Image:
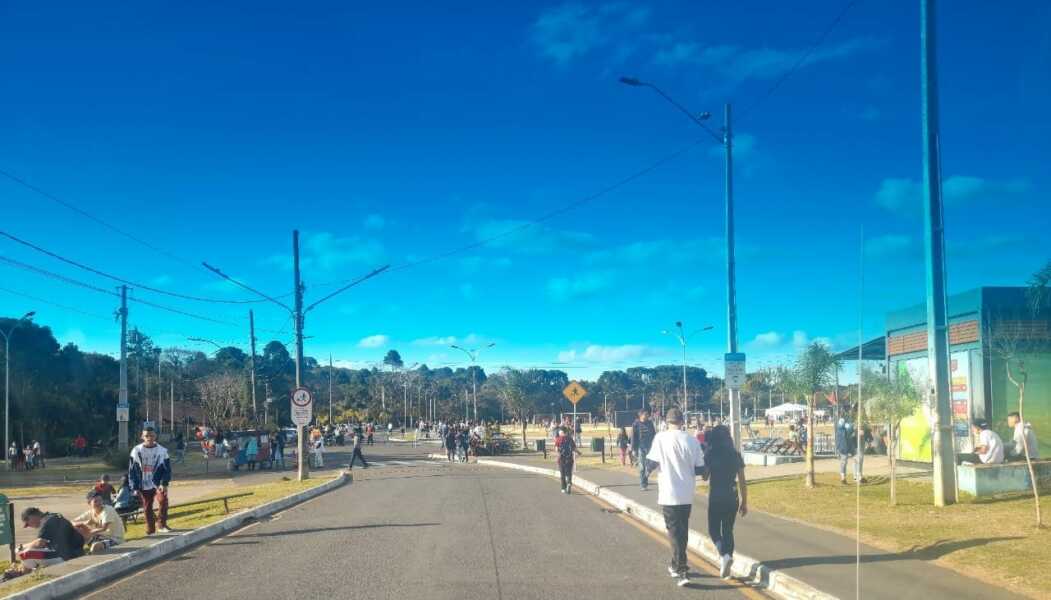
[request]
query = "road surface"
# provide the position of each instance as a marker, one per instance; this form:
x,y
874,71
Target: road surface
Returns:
x,y
409,528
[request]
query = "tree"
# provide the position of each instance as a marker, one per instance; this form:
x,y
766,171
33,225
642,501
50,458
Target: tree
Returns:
x,y
393,360
516,392
1038,287
219,395
890,401
814,370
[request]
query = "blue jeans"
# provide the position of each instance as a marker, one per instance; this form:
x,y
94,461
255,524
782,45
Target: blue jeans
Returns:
x,y
858,462
279,457
644,472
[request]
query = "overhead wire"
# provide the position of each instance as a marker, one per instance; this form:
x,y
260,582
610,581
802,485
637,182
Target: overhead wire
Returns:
x,y
134,284
56,304
89,216
805,56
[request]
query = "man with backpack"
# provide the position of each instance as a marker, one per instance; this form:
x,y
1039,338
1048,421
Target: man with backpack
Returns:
x,y
565,447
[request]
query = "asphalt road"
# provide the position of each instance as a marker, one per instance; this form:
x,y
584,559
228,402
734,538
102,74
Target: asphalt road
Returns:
x,y
431,531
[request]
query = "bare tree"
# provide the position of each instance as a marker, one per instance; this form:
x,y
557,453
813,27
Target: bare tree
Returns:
x,y
1010,340
219,397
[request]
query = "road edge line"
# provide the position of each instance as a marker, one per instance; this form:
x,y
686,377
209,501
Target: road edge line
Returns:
x,y
774,581
68,585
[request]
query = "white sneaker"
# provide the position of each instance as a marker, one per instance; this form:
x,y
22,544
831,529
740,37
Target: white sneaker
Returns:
x,y
725,562
683,581
672,572
164,530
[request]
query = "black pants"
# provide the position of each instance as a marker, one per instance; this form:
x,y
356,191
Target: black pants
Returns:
x,y
565,471
721,515
677,522
357,454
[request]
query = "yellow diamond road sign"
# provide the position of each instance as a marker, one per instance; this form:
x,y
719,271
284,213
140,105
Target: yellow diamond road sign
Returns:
x,y
574,392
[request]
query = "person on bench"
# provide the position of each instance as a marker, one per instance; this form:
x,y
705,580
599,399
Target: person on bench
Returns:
x,y
100,525
56,540
1023,437
990,448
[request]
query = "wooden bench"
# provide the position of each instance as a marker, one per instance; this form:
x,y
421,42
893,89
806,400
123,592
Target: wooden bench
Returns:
x,y
133,514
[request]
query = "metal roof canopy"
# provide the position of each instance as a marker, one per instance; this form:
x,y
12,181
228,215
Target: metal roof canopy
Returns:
x,y
874,349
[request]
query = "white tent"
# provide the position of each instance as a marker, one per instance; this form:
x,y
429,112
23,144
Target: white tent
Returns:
x,y
785,410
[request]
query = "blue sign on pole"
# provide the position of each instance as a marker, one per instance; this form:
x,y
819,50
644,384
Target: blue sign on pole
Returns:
x,y
734,365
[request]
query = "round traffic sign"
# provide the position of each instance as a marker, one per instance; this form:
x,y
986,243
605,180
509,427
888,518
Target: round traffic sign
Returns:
x,y
301,397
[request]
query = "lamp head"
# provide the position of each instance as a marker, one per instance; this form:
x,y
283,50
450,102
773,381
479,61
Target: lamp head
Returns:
x,y
28,315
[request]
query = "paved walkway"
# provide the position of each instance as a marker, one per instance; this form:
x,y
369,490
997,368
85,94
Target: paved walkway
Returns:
x,y
821,558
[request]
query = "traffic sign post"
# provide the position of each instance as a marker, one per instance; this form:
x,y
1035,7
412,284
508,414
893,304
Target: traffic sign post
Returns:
x,y
734,370
302,407
574,392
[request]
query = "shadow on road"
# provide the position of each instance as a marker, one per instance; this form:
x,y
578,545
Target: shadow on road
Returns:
x,y
931,552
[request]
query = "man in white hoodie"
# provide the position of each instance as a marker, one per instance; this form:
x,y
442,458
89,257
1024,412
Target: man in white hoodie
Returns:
x,y
1023,436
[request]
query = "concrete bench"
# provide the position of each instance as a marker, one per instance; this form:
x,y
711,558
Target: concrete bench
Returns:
x,y
987,480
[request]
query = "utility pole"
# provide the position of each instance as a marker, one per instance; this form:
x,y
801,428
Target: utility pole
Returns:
x,y
942,445
330,389
251,343
731,275
171,406
160,395
304,473
122,399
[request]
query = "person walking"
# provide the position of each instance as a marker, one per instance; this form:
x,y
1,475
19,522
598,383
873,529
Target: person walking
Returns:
x,y
278,447
727,493
149,474
370,431
450,443
358,439
678,458
180,448
565,448
623,441
642,434
847,447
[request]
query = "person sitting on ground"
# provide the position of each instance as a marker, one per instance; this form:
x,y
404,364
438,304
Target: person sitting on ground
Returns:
x,y
100,525
56,540
990,448
104,489
1023,438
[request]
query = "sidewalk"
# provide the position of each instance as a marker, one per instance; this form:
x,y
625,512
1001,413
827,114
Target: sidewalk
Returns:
x,y
816,556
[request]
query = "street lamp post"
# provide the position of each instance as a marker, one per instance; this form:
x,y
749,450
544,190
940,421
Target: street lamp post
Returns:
x,y
726,140
681,335
473,355
7,376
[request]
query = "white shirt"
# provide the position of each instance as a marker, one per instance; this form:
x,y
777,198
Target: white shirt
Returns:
x,y
149,460
109,519
1024,435
994,447
678,453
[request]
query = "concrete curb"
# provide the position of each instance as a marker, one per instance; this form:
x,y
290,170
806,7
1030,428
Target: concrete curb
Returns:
x,y
78,581
777,583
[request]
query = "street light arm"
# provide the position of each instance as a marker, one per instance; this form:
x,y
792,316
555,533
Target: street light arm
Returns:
x,y
635,82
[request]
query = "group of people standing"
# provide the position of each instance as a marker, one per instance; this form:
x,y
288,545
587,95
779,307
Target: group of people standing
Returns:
x,y
25,459
460,439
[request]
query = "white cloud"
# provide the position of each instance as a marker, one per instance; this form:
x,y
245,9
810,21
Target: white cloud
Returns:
x,y
596,353
374,341
528,237
569,31
326,251
800,340
562,289
374,221
435,341
739,64
770,339
906,195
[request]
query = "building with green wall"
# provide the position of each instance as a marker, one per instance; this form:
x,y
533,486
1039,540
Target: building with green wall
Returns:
x,y
989,327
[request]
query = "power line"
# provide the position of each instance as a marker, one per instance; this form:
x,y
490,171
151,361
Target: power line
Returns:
x,y
800,61
133,284
87,215
71,281
548,215
55,304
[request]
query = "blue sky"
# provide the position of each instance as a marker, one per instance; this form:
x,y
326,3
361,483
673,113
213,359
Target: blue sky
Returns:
x,y
396,132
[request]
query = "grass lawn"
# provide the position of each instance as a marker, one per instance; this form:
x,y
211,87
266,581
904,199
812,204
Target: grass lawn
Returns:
x,y
206,513
22,583
993,539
